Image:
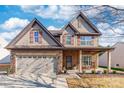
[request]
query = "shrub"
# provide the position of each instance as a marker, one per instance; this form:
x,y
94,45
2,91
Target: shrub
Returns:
x,y
11,71
8,71
93,72
114,72
65,71
105,72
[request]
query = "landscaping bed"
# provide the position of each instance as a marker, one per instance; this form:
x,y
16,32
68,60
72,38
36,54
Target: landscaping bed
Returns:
x,y
97,81
101,75
4,68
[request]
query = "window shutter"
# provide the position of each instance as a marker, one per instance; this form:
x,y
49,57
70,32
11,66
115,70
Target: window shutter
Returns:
x,y
78,40
72,40
31,37
64,39
40,37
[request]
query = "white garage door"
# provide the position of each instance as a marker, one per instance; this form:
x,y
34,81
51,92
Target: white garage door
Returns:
x,y
36,64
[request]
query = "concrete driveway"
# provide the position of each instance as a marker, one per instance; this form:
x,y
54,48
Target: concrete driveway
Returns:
x,y
31,81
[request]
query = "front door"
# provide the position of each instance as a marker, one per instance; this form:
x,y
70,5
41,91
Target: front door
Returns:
x,y
69,62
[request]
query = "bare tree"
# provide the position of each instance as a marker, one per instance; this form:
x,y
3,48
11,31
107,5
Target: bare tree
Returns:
x,y
107,14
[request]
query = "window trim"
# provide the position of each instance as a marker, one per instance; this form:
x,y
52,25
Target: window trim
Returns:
x,y
68,39
85,41
36,38
89,61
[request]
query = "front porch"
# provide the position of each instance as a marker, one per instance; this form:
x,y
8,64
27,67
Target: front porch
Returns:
x,y
84,59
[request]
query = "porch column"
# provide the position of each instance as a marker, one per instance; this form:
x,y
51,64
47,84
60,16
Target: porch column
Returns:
x,y
80,61
97,61
15,64
109,60
60,64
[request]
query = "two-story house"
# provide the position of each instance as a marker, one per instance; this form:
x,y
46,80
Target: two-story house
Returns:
x,y
76,46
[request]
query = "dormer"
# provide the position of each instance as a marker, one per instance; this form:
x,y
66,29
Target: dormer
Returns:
x,y
68,36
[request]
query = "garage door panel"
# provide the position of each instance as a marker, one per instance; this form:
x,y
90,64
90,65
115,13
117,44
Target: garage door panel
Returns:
x,y
46,66
23,62
36,64
32,65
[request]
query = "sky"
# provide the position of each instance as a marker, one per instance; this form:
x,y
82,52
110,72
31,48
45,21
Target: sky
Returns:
x,y
14,18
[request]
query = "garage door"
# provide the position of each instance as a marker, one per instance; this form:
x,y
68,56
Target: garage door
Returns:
x,y
36,64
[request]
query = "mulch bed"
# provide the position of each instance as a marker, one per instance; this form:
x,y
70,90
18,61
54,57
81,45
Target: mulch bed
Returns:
x,y
100,75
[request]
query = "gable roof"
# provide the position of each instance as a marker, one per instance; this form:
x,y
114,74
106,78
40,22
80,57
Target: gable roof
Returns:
x,y
26,29
69,24
56,32
89,22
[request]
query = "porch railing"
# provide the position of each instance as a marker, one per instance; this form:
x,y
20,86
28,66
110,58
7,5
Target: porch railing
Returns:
x,y
91,66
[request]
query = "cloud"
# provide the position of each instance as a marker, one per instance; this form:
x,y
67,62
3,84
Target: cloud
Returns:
x,y
9,35
104,28
3,42
14,23
54,12
53,28
109,36
118,6
11,27
93,12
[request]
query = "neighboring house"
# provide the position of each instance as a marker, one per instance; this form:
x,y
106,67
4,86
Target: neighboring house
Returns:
x,y
37,50
117,56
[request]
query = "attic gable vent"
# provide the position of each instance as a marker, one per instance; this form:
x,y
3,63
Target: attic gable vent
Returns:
x,y
36,29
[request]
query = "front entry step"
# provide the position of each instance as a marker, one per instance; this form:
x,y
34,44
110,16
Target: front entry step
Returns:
x,y
72,71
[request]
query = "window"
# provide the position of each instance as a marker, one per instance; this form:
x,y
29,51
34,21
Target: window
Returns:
x,y
86,40
87,60
68,40
117,65
36,36
69,58
68,61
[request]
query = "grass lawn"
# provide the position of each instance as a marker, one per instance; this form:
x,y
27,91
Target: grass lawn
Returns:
x,y
117,69
104,82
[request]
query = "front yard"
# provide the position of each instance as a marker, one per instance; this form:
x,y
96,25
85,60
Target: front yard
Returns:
x,y
97,81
